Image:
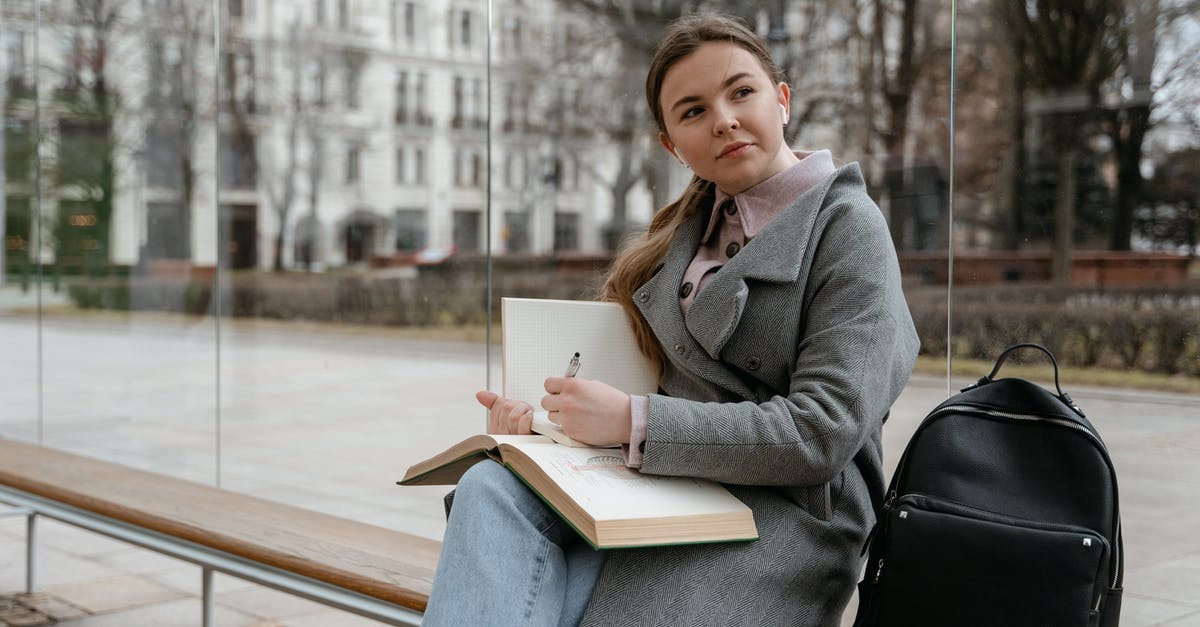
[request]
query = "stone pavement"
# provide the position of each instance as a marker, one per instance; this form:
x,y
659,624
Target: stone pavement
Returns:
x,y
328,419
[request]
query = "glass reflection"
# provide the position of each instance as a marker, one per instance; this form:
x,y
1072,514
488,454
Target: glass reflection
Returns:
x,y
20,234
1076,228
352,199
119,97
1072,196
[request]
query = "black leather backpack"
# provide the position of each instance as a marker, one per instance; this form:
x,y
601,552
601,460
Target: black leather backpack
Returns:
x,y
1002,511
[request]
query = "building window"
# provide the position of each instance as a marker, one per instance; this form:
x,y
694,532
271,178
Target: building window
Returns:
x,y
411,229
72,70
19,148
14,51
401,97
478,115
457,167
510,107
516,231
404,21
319,11
239,231
466,30
167,231
419,166
419,105
566,231
163,158
316,71
343,14
80,151
511,42
353,71
466,230
353,154
239,169
459,103
359,236
238,92
476,170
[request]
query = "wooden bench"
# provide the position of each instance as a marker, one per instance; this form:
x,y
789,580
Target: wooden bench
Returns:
x,y
368,570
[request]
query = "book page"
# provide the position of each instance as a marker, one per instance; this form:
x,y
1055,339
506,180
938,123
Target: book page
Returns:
x,y
599,481
541,335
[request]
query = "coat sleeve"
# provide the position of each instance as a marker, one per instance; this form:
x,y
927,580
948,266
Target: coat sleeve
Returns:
x,y
856,348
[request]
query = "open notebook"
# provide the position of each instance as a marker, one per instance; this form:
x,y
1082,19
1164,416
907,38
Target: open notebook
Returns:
x,y
541,336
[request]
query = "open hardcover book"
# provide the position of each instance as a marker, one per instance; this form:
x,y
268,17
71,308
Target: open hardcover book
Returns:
x,y
608,503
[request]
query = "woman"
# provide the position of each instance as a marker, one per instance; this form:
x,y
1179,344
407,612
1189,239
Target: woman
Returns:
x,y
769,293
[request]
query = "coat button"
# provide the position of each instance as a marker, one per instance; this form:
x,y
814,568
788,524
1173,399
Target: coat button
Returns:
x,y
644,296
678,347
730,207
685,289
732,249
753,363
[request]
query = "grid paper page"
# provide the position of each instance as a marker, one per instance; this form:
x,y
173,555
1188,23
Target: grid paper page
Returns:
x,y
541,335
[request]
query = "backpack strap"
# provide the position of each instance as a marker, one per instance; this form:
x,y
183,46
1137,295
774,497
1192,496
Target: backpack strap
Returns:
x,y
1063,396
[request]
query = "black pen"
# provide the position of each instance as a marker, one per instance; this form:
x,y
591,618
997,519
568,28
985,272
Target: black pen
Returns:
x,y
573,367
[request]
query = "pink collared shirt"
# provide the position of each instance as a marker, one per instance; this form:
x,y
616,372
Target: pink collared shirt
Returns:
x,y
732,223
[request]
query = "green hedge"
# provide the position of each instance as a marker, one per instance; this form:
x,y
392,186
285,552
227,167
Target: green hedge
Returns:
x,y
1149,329
1134,329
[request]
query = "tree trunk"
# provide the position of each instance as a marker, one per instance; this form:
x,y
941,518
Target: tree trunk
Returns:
x,y
1129,176
1064,213
898,90
1016,182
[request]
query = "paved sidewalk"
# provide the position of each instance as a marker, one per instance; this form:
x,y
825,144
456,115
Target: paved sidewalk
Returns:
x,y
329,420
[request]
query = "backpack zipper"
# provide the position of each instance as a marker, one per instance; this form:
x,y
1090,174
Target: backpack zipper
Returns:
x,y
971,409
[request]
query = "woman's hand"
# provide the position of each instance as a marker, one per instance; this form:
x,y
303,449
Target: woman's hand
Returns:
x,y
589,411
506,416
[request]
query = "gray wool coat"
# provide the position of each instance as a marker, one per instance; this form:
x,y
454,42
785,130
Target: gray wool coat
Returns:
x,y
776,385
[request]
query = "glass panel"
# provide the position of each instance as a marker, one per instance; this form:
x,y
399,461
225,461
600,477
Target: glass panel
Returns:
x,y
1076,227
128,347
20,274
577,165
352,199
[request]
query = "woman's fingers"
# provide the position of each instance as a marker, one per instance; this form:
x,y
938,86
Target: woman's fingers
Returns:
x,y
517,417
486,398
506,416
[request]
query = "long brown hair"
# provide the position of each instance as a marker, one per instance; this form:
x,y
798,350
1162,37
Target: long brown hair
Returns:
x,y
641,254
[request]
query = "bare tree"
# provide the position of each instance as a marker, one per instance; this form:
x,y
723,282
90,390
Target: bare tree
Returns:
x,y
177,36
1071,47
279,180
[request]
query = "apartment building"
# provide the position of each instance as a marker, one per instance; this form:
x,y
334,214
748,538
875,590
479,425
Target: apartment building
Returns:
x,y
323,133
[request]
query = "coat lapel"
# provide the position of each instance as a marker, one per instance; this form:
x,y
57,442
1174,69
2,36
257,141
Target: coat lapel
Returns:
x,y
776,255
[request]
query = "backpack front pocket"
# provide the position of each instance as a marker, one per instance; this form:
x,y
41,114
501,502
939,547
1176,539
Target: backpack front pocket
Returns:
x,y
950,564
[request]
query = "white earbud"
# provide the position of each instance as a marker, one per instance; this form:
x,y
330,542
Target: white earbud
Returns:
x,y
681,159
783,113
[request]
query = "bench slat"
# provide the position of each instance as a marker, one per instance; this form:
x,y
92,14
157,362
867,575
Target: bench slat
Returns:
x,y
389,565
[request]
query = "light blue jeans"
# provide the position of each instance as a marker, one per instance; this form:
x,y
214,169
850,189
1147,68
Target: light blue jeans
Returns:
x,y
508,559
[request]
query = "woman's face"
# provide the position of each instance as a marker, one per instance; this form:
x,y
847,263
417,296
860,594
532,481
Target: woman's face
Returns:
x,y
723,118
